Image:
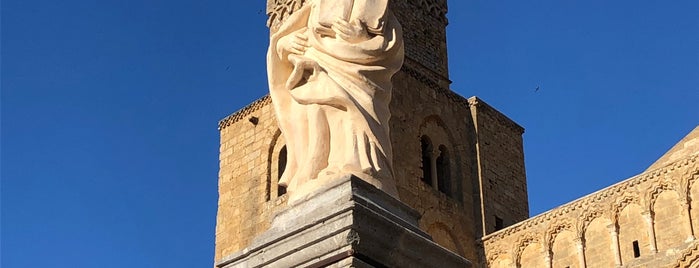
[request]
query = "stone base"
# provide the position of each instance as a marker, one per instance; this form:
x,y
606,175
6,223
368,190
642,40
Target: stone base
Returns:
x,y
350,223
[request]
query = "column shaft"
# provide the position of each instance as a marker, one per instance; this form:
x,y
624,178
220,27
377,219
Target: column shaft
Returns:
x,y
615,244
648,216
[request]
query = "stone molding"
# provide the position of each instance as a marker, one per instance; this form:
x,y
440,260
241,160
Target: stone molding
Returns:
x,y
347,221
688,257
407,68
499,117
451,95
245,111
417,70
576,216
436,8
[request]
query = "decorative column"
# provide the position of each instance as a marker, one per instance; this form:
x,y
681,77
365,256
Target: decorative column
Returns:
x,y
615,243
687,209
433,168
580,244
648,216
548,258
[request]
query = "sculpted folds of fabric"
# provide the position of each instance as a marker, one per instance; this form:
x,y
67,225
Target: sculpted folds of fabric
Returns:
x,y
330,65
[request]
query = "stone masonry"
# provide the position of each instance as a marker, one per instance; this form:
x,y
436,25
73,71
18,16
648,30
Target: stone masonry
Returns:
x,y
458,162
349,223
649,220
251,145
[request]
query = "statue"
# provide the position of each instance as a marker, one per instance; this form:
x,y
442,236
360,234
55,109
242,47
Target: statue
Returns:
x,y
330,64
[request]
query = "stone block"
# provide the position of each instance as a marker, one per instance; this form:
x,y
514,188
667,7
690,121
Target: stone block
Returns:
x,y
349,223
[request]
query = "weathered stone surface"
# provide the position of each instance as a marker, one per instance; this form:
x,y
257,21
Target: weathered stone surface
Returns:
x,y
688,146
648,220
486,168
348,223
482,176
486,184
329,67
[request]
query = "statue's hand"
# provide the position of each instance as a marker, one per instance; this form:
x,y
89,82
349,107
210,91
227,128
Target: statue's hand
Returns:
x,y
324,30
296,43
351,32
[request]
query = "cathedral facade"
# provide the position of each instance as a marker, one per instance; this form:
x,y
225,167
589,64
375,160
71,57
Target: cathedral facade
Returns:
x,y
649,220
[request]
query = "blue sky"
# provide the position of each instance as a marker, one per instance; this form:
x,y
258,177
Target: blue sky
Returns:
x,y
109,110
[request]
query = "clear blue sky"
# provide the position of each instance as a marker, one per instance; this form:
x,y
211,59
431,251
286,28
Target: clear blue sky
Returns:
x,y
109,110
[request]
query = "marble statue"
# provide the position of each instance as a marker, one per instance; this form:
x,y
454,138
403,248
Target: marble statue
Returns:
x,y
329,65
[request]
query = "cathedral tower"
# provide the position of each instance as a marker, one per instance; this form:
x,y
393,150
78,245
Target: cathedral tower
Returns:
x,y
458,162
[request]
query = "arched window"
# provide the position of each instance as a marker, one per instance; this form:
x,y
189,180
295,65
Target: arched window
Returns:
x,y
281,165
443,171
426,146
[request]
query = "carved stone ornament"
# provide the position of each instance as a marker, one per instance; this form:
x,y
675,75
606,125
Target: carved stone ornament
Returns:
x,y
278,10
329,66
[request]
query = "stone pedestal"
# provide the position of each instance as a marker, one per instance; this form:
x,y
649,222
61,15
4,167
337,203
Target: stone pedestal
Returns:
x,y
349,223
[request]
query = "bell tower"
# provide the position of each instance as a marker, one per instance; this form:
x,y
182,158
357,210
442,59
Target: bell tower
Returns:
x,y
458,162
424,23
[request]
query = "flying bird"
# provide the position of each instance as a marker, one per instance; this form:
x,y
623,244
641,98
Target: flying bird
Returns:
x,y
537,89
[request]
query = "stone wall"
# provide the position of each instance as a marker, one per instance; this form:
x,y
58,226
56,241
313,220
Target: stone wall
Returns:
x,y
424,32
646,221
245,197
451,207
503,185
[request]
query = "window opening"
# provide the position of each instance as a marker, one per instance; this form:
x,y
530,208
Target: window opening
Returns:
x,y
636,249
281,166
499,224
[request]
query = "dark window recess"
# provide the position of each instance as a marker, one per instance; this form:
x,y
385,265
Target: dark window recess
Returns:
x,y
499,224
281,166
426,146
443,171
636,249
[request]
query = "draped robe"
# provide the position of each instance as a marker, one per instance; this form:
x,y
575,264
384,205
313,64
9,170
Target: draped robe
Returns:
x,y
331,103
